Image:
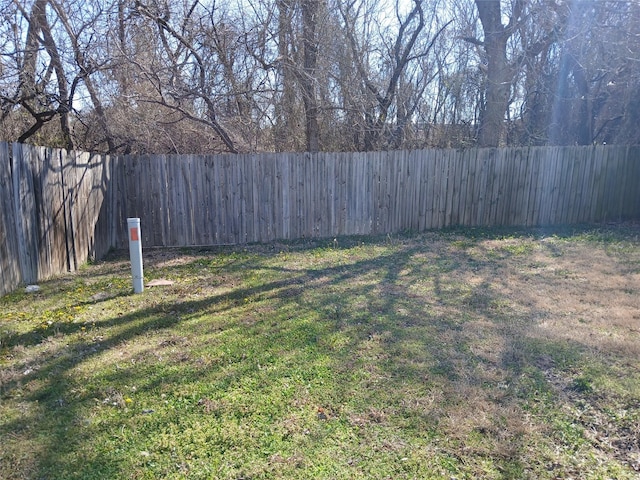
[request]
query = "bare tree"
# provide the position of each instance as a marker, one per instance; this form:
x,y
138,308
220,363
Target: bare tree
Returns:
x,y
503,60
400,48
311,75
181,50
310,11
42,88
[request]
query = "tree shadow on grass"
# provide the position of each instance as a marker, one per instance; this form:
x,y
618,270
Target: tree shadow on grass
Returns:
x,y
45,378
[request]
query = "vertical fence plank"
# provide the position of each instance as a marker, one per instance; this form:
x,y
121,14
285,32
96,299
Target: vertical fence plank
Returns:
x,y
213,197
210,195
314,194
510,185
414,175
583,163
520,162
158,221
116,193
587,167
420,184
430,189
507,184
519,166
572,178
440,182
42,226
557,179
379,207
293,174
80,185
294,195
530,185
539,179
10,271
572,194
492,189
376,206
495,187
206,194
562,178
545,190
598,185
480,187
247,228
225,199
616,184
449,192
461,187
200,202
177,199
525,187
500,171
406,190
612,185
547,187
330,206
52,237
103,210
287,184
25,211
471,193
594,179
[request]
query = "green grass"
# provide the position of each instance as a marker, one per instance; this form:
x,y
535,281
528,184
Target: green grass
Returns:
x,y
418,356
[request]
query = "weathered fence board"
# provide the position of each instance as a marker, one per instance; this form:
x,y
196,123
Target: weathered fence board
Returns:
x,y
10,271
25,211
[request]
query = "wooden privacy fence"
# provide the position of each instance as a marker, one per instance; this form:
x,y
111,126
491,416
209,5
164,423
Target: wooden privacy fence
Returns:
x,y
58,208
212,200
52,212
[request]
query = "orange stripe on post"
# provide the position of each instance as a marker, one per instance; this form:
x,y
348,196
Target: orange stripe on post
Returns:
x,y
133,233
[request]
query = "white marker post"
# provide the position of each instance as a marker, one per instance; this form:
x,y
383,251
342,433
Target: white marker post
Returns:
x,y
135,254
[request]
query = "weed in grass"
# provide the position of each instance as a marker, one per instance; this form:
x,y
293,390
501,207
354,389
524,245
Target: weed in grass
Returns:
x,y
582,385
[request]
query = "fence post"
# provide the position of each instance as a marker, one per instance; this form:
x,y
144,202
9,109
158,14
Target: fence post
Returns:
x,y
135,254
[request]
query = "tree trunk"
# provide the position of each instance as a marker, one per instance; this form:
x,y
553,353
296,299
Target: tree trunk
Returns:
x,y
499,74
310,10
284,130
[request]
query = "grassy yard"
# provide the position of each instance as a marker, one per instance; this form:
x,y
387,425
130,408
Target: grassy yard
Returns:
x,y
455,355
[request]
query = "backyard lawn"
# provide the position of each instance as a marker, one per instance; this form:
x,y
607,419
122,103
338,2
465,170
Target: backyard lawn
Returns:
x,y
463,354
